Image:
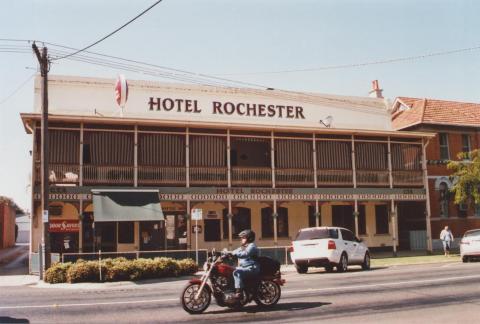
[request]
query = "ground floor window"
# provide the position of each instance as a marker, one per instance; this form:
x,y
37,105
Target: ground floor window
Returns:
x,y
64,242
312,219
362,220
152,236
342,216
126,232
381,219
212,230
241,220
267,222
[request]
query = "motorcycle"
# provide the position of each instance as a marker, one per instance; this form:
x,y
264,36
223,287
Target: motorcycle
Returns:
x,y
264,288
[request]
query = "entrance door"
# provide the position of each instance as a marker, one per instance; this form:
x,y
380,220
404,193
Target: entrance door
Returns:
x,y
175,231
105,236
152,236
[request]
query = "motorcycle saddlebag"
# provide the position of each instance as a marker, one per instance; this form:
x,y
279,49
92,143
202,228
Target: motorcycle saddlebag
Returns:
x,y
268,266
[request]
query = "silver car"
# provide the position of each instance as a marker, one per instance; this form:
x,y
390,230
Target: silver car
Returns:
x,y
470,245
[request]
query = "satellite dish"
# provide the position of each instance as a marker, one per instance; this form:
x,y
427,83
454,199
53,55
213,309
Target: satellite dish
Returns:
x,y
327,122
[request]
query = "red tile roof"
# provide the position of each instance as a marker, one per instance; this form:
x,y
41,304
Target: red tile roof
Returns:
x,y
432,111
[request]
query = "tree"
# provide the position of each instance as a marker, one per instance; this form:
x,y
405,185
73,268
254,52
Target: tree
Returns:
x,y
466,177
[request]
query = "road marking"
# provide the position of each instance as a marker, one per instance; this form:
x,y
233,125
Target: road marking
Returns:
x,y
145,301
382,284
91,304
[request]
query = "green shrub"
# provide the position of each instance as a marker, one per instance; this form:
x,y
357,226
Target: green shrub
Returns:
x,y
119,269
57,273
187,267
85,271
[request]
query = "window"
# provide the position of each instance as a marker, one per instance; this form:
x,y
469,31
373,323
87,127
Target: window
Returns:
x,y
241,220
477,210
444,152
316,233
347,235
212,230
381,219
125,232
462,210
362,223
342,216
312,222
444,197
466,145
86,154
267,222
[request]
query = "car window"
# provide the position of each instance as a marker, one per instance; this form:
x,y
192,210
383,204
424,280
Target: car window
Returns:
x,y
347,235
472,233
333,233
313,234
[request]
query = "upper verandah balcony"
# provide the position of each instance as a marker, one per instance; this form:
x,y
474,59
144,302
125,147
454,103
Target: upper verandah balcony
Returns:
x,y
123,157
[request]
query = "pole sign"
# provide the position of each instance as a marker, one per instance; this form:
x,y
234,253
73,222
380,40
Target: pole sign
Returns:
x,y
45,216
196,214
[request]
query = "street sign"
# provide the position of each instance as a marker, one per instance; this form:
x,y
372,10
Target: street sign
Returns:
x,y
45,216
196,214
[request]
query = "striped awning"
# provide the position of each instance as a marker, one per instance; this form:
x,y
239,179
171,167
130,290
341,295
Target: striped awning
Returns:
x,y
126,205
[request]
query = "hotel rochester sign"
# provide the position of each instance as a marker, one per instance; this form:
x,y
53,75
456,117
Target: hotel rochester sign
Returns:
x,y
227,108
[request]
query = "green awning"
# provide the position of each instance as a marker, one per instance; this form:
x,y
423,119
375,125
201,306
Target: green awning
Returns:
x,y
126,205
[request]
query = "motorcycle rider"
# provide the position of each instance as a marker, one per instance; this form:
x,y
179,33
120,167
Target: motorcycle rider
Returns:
x,y
247,264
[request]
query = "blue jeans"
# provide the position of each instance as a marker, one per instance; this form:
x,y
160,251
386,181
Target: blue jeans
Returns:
x,y
241,273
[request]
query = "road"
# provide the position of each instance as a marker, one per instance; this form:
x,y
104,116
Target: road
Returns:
x,y
439,293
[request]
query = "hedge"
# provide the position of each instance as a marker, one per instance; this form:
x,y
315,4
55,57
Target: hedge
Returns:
x,y
119,269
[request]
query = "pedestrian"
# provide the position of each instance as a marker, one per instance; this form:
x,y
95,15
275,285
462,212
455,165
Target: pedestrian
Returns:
x,y
447,239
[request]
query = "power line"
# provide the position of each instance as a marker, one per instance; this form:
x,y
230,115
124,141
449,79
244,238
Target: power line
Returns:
x,y
355,65
17,89
116,30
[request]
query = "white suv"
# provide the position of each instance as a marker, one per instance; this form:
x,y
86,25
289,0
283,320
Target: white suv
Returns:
x,y
328,247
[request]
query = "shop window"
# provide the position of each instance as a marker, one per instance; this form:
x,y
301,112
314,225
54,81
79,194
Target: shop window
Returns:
x,y
342,216
126,232
381,219
212,230
267,222
362,221
241,220
444,151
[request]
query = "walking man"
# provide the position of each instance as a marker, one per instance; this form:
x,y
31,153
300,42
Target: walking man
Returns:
x,y
447,239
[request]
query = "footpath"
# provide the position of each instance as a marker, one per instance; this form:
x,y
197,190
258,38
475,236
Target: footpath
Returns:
x,y
379,260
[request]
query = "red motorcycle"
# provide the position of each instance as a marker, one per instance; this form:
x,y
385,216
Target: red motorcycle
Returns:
x,y
264,289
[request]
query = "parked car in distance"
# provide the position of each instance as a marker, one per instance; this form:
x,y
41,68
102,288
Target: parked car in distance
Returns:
x,y
470,245
328,247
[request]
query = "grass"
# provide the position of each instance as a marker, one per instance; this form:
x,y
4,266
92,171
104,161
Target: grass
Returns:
x,y
415,259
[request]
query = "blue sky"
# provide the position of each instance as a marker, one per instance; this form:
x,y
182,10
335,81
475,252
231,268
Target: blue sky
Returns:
x,y
235,37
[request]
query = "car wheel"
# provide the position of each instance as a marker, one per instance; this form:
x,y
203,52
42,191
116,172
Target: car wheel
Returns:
x,y
301,268
465,259
343,264
366,262
329,268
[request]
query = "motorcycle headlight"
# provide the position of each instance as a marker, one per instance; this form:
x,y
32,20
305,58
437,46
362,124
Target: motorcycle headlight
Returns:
x,y
205,266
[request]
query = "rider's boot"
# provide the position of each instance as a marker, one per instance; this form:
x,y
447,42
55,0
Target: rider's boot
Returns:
x,y
238,293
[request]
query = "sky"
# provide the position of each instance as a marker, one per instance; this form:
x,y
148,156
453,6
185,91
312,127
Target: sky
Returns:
x,y
240,40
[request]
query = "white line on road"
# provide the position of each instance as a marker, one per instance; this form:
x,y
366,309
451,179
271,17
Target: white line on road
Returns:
x,y
383,284
92,304
284,293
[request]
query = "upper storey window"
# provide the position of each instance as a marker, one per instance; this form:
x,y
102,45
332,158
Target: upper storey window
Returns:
x,y
444,151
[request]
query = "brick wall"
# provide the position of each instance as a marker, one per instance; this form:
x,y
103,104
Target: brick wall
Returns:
x,y
7,225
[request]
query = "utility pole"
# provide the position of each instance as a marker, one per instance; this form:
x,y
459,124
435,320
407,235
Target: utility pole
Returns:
x,y
44,67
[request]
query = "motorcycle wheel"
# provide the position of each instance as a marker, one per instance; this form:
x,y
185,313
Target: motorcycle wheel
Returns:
x,y
268,294
192,305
